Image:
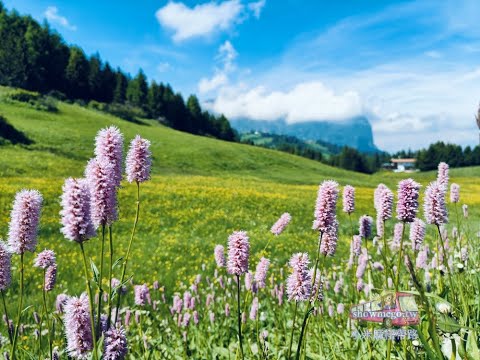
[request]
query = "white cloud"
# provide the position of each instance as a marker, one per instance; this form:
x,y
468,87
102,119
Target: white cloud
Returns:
x,y
304,102
52,15
200,21
226,56
207,85
256,7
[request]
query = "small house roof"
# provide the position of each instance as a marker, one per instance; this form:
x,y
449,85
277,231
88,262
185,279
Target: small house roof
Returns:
x,y
401,161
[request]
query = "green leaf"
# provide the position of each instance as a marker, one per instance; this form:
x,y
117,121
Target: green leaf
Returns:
x,y
472,347
95,271
28,307
447,323
118,261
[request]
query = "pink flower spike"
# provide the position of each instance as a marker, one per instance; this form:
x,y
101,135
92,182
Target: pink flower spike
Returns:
x,y
76,216
109,148
281,224
25,218
139,160
103,193
238,253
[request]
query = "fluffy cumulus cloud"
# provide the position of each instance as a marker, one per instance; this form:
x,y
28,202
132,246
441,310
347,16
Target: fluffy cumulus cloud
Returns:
x,y
205,19
207,85
304,102
225,58
53,16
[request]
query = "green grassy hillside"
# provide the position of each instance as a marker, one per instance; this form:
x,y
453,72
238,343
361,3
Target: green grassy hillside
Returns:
x,y
66,138
202,190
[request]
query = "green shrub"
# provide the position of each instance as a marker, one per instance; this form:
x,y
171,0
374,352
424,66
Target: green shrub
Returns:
x,y
33,99
123,111
22,96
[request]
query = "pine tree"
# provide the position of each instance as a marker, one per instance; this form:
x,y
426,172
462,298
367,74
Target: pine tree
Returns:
x,y
137,91
76,74
121,83
95,77
156,105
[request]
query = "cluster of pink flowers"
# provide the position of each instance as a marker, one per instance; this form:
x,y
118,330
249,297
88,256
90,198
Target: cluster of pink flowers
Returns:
x,y
348,199
46,261
77,327
238,253
115,346
435,209
25,218
299,283
325,207
329,239
365,226
356,245
76,216
5,266
281,224
442,177
219,253
142,295
417,233
407,205
100,174
138,160
454,193
261,272
109,149
397,236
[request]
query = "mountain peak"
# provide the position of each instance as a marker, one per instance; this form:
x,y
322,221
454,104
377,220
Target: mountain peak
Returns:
x,y
355,132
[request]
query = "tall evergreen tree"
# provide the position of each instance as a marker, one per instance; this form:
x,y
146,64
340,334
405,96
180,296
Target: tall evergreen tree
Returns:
x,y
12,54
107,84
155,100
95,77
76,74
137,91
198,122
121,83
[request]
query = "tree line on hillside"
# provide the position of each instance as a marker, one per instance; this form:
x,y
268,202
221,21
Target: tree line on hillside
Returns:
x,y
34,57
334,155
454,155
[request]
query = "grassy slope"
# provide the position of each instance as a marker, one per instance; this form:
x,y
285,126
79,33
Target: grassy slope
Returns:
x,y
67,137
201,191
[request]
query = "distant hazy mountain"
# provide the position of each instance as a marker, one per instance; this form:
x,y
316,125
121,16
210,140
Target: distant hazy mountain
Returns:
x,y
356,132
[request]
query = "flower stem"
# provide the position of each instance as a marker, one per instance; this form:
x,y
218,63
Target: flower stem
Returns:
x,y
45,311
6,317
293,328
20,305
304,326
90,299
124,267
100,279
313,297
110,277
239,318
445,260
385,255
399,263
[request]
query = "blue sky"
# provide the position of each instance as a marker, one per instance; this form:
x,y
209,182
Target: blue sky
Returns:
x,y
413,68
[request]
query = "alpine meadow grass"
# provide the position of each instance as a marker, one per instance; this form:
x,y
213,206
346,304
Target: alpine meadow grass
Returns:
x,y
203,266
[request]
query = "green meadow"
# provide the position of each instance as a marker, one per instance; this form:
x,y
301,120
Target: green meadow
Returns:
x,y
201,190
